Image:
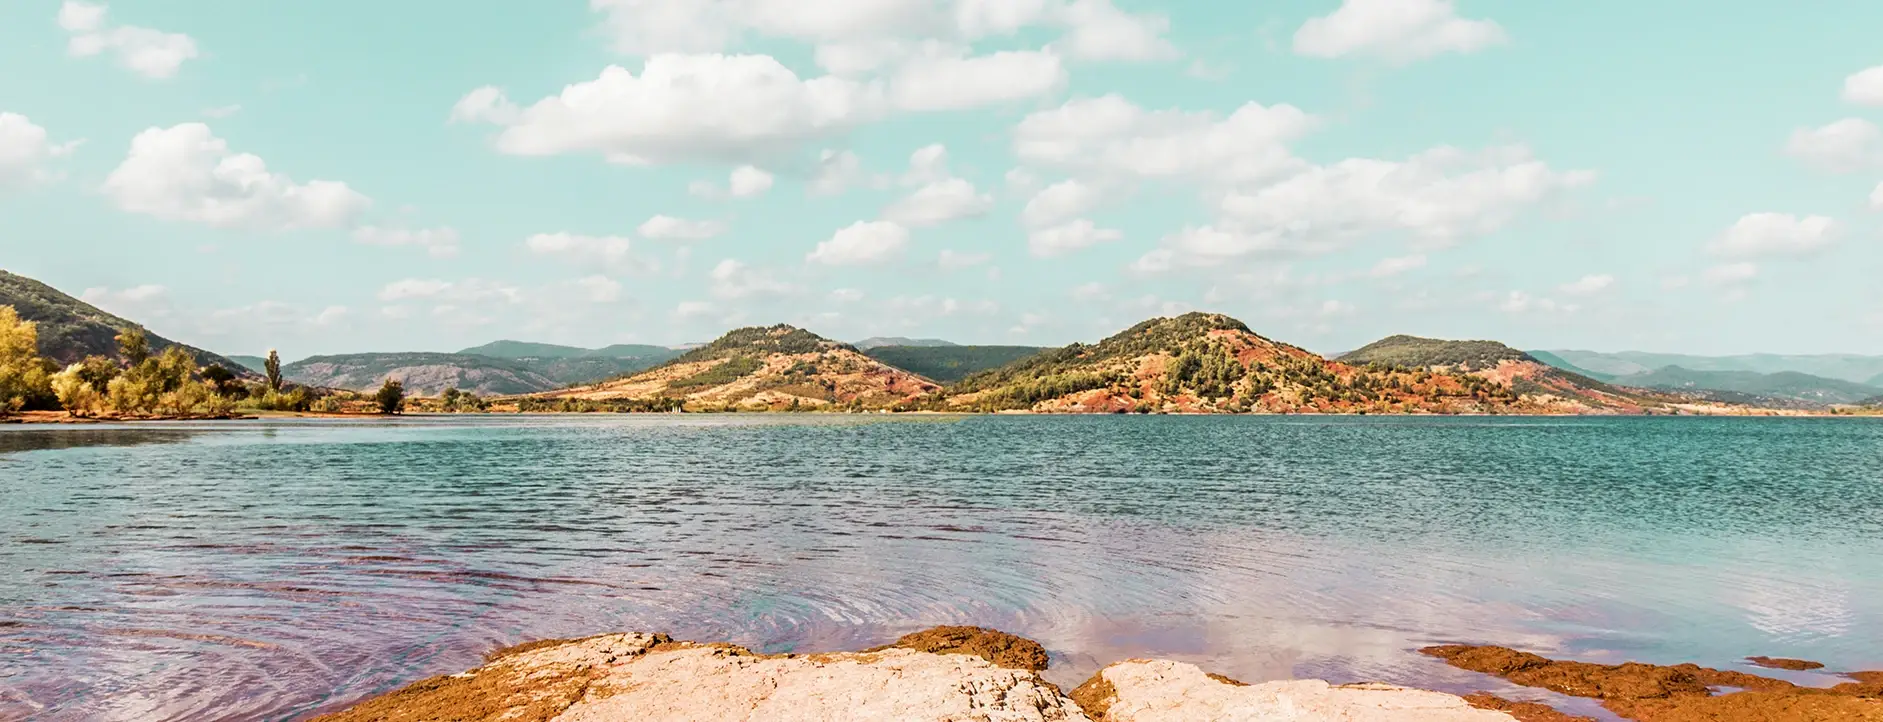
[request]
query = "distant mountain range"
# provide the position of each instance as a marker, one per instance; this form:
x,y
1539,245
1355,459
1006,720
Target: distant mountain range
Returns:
x,y
1784,388
496,368
881,341
71,329
949,363
1843,367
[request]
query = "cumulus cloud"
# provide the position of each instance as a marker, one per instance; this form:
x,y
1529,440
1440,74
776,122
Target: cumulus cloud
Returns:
x,y
146,301
1845,145
862,243
1759,235
598,289
24,150
1098,30
186,173
1060,201
749,182
1865,87
836,172
438,242
1069,238
940,202
669,228
1518,302
147,52
734,280
465,291
1588,285
680,107
1397,30
1112,136
961,82
1876,198
612,252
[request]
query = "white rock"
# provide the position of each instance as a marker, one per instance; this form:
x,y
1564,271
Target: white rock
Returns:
x,y
1165,691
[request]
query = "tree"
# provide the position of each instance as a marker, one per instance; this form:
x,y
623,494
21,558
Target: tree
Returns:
x,y
223,379
133,345
273,368
24,379
77,395
391,396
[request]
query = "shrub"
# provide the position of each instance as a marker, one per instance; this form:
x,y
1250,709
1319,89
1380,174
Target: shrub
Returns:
x,y
391,396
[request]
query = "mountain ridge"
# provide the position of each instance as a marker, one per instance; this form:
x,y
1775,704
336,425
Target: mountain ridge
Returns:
x,y
71,329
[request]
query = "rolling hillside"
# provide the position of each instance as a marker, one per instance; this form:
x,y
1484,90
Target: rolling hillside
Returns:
x,y
71,329
949,364
1811,391
1843,367
424,374
777,367
1416,352
1211,363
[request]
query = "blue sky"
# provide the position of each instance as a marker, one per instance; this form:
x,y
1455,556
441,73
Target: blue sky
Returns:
x,y
423,175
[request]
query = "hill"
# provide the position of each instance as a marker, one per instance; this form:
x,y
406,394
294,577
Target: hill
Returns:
x,y
424,374
1416,352
1843,367
527,350
1790,386
949,364
252,363
882,341
1564,364
776,367
71,329
1877,381
1211,363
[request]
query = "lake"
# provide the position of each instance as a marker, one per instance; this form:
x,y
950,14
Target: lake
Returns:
x,y
265,570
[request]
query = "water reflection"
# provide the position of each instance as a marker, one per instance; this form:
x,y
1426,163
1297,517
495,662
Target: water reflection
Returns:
x,y
17,439
247,576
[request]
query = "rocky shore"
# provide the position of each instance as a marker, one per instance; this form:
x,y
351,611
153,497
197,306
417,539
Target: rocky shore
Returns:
x,y
948,673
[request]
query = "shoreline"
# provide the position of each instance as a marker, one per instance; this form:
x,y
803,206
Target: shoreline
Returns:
x,y
973,673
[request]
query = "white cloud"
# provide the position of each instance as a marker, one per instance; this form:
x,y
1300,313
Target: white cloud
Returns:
x,y
862,243
439,242
1865,87
24,149
1397,30
1087,291
734,280
1389,267
146,301
1111,136
846,295
927,164
1845,145
1759,235
1727,274
186,173
749,182
1098,30
331,316
680,107
1060,201
1438,197
1588,285
1518,302
951,260
612,252
669,228
1069,238
147,52
1876,198
693,310
470,290
940,202
962,82
836,172
599,289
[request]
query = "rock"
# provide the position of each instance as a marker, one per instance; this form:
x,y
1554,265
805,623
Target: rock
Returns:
x,y
636,677
1156,690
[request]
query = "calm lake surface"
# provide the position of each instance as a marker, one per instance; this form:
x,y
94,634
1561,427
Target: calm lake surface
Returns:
x,y
268,570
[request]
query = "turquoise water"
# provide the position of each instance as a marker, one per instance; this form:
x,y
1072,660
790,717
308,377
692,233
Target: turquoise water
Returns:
x,y
265,570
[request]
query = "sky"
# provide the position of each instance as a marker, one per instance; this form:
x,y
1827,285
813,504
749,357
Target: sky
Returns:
x,y
352,176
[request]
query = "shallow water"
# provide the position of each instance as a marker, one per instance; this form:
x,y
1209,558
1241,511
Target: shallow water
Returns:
x,y
266,570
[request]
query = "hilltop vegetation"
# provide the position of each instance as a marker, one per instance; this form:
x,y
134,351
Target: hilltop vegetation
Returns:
x,y
759,368
1416,352
949,364
70,329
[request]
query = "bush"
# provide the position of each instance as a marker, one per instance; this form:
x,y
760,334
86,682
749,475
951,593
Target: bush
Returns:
x,y
391,397
25,380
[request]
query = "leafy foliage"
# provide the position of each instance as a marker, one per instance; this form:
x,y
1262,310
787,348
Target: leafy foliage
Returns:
x,y
759,341
391,397
660,404
1153,336
731,370
949,364
1416,352
271,370
25,380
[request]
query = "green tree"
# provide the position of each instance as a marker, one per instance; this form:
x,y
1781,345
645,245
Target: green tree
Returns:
x,y
24,379
133,345
76,395
273,368
98,371
391,396
222,379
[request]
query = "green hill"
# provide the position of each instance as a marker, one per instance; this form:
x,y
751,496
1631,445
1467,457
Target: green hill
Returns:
x,y
1843,367
1878,381
882,341
949,364
1416,352
1563,364
424,374
71,329
1787,385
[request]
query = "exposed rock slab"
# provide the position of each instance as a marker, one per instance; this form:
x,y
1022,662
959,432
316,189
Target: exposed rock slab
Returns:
x,y
1163,691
